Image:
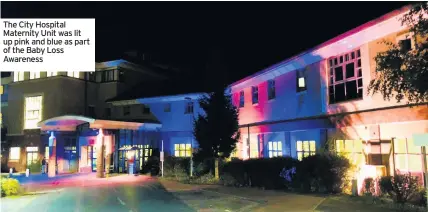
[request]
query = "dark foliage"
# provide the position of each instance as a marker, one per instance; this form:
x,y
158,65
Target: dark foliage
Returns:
x,y
403,189
403,73
322,173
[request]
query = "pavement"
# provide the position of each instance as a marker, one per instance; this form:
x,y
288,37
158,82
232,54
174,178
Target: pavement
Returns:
x,y
85,192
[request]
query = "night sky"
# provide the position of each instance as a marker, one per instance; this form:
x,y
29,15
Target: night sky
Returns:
x,y
246,36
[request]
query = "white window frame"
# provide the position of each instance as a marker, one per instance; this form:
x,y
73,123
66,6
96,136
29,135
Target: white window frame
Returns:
x,y
31,123
182,150
342,61
14,153
274,149
18,76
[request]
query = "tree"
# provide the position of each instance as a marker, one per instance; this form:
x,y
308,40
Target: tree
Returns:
x,y
401,73
217,130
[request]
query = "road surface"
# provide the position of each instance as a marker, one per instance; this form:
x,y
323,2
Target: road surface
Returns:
x,y
74,195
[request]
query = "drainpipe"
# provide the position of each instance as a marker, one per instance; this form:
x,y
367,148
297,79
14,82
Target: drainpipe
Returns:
x,y
248,142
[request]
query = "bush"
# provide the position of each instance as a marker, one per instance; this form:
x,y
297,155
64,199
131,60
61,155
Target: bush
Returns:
x,y
263,172
403,189
9,186
152,165
177,168
322,173
35,167
369,186
207,179
227,180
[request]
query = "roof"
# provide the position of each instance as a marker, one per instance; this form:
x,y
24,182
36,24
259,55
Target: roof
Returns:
x,y
171,87
331,41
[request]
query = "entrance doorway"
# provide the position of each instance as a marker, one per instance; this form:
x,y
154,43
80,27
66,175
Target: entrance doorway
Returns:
x,y
92,156
32,155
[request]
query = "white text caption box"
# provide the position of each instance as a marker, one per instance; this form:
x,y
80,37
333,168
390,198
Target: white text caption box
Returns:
x,y
47,45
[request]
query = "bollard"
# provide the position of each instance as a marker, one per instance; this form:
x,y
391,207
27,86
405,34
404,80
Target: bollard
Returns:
x,y
354,187
10,171
27,172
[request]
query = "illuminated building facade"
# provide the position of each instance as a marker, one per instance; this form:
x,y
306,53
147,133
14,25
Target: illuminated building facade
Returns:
x,y
320,97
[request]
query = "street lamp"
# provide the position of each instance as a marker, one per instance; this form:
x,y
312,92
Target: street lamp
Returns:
x,y
191,137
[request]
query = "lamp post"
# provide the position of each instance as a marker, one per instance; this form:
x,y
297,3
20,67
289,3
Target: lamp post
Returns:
x,y
191,137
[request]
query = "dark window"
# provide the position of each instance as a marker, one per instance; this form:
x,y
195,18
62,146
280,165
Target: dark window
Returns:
x,y
6,74
346,82
338,73
189,108
405,45
241,99
91,111
271,89
107,112
146,109
126,110
167,107
301,80
255,94
350,71
121,75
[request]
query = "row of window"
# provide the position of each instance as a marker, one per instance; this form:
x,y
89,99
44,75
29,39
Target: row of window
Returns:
x,y
98,76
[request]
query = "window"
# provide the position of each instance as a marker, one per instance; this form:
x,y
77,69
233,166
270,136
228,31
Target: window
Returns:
x,y
1,89
405,45
107,112
33,111
74,74
147,151
241,99
51,73
145,109
305,149
32,155
351,149
301,81
34,75
14,153
108,76
275,149
345,77
90,76
167,107
182,150
18,76
189,108
271,89
126,110
91,111
255,94
407,155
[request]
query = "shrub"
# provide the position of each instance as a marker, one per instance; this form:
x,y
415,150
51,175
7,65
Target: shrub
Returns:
x,y
9,186
35,167
205,179
263,172
385,185
152,165
322,172
177,168
228,180
403,189
369,186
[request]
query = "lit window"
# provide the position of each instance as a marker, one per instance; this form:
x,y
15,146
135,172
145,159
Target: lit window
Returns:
x,y
1,89
51,73
182,150
254,148
241,99
275,149
33,111
305,149
271,89
407,155
351,149
301,81
345,77
189,108
74,74
18,76
32,155
14,153
34,75
1,118
255,94
32,149
167,107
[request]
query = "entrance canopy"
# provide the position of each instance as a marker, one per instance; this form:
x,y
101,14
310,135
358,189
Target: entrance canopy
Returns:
x,y
71,122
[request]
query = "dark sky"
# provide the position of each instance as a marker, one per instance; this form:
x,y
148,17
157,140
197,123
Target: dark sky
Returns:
x,y
249,35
